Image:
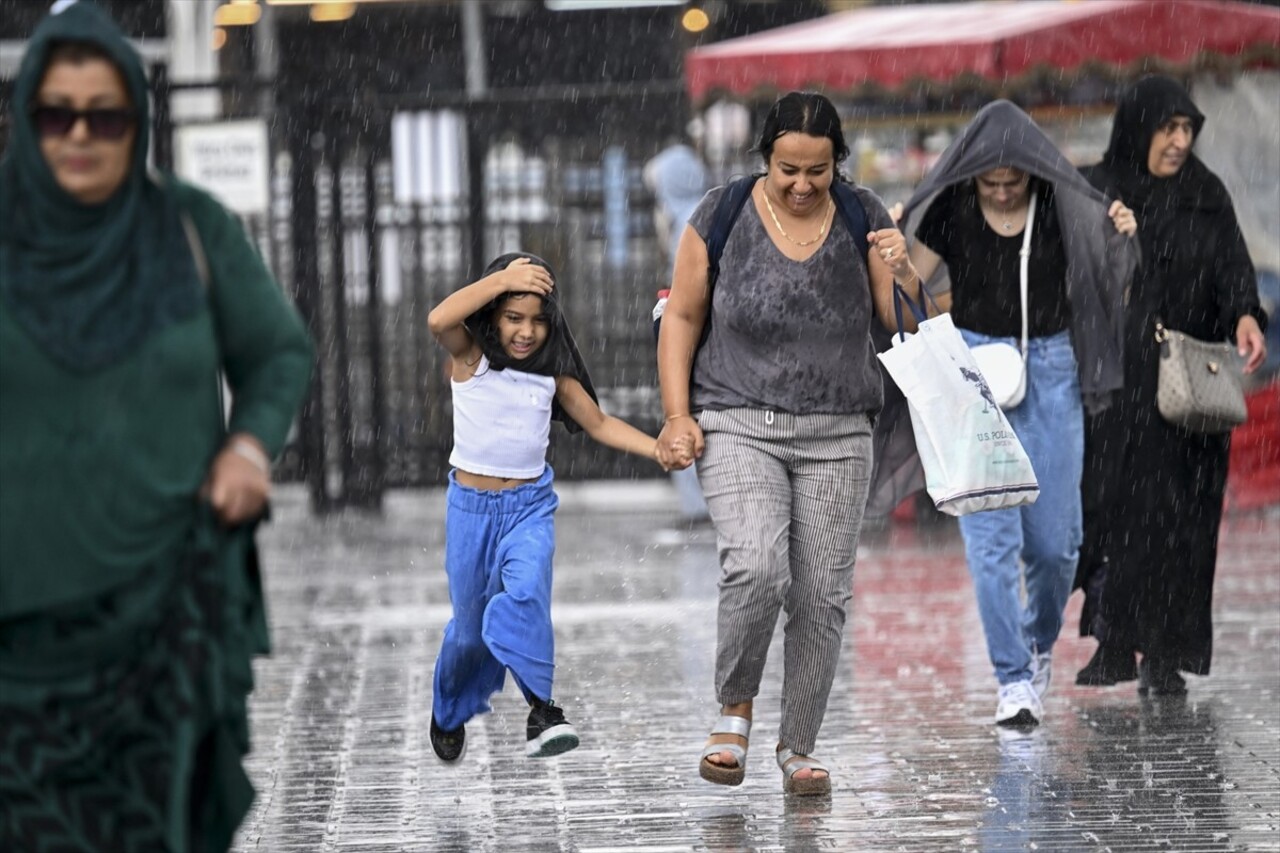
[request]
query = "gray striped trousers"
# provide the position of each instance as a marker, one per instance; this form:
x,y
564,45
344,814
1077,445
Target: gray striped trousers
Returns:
x,y
786,495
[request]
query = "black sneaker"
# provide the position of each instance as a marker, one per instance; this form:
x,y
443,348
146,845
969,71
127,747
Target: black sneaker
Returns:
x,y
548,732
449,746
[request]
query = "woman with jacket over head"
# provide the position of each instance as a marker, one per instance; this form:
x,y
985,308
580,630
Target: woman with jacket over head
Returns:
x,y
1153,492
999,177
130,604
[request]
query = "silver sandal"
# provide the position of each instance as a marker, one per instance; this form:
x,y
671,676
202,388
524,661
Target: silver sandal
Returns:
x,y
790,764
720,774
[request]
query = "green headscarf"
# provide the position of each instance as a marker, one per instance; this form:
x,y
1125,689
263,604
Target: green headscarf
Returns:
x,y
88,283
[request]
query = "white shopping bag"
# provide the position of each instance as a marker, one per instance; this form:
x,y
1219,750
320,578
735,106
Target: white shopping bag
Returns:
x,y
972,459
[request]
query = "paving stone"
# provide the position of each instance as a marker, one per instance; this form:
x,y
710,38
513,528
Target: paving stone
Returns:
x,y
342,762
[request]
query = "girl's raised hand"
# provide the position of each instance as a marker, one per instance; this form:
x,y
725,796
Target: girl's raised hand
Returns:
x,y
524,276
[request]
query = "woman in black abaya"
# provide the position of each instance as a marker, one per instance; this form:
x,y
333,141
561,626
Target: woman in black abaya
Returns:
x,y
1153,492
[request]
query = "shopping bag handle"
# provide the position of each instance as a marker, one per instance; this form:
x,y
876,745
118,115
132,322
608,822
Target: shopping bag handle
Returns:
x,y
918,311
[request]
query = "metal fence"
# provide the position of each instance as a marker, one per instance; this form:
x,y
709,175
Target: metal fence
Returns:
x,y
365,266
555,173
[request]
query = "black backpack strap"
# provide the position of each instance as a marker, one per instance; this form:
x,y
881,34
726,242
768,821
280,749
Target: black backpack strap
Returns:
x,y
854,216
727,211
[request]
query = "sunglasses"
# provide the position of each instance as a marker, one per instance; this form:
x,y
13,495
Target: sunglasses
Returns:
x,y
110,124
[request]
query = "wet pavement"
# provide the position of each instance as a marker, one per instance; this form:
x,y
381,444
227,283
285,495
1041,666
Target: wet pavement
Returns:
x,y
342,762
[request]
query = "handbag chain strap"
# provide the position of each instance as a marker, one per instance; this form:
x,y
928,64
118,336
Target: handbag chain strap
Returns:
x,y
1024,258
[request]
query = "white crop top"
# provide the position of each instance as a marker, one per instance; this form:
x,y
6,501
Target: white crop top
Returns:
x,y
502,422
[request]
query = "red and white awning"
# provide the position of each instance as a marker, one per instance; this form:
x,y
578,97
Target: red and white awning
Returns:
x,y
888,47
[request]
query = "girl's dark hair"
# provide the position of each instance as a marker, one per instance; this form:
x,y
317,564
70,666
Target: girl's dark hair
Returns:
x,y
557,357
550,359
802,112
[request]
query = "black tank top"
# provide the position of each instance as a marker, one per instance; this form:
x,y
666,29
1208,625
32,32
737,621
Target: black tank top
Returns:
x,y
984,265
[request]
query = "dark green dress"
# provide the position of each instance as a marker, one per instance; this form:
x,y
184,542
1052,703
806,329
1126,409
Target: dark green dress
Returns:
x,y
128,618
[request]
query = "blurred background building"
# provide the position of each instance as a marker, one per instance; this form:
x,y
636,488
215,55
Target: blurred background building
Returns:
x,y
382,151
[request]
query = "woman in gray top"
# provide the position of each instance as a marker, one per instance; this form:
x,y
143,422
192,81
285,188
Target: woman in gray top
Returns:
x,y
778,399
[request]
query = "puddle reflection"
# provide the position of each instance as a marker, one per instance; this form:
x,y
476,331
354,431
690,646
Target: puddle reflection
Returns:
x,y
1132,776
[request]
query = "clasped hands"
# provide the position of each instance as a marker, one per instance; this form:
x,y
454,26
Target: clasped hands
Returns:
x,y
679,443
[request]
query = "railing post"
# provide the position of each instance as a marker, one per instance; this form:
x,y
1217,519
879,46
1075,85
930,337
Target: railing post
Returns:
x,y
161,117
308,295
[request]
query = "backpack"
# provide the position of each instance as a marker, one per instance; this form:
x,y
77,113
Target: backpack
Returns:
x,y
729,208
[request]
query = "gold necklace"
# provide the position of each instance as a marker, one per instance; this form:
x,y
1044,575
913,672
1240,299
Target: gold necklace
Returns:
x,y
802,243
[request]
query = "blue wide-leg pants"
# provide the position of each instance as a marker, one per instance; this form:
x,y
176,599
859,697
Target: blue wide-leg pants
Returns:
x,y
498,552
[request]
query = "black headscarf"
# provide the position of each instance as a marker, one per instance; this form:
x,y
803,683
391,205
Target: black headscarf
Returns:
x,y
1147,105
558,356
88,283
1156,201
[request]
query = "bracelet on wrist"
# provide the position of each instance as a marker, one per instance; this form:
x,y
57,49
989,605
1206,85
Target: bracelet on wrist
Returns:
x,y
247,450
671,418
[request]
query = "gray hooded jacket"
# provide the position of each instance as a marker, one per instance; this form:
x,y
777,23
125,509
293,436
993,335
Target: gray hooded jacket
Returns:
x,y
1100,264
1100,260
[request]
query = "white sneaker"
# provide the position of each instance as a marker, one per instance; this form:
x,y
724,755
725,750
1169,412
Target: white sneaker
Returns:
x,y
1041,672
1018,705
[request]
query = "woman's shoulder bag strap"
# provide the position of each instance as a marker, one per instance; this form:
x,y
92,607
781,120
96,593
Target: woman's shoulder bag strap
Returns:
x,y
853,215
727,211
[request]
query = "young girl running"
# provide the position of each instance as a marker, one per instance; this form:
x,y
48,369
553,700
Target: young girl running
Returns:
x,y
515,369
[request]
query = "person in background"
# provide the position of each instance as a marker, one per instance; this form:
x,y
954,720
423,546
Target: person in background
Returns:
x,y
1154,492
678,179
130,597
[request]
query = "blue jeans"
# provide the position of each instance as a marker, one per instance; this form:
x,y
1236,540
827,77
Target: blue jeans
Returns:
x,y
1044,536
498,551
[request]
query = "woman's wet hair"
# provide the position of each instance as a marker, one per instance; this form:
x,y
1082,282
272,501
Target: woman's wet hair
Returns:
x,y
802,112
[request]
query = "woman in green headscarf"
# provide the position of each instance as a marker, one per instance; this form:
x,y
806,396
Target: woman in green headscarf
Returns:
x,y
129,598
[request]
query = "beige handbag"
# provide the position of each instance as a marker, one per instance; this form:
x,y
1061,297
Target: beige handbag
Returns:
x,y
1199,383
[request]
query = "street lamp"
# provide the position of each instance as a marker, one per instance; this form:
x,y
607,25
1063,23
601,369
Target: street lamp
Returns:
x,y
237,15
695,20
332,10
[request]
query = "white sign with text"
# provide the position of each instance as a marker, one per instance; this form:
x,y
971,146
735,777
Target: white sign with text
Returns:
x,y
229,159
